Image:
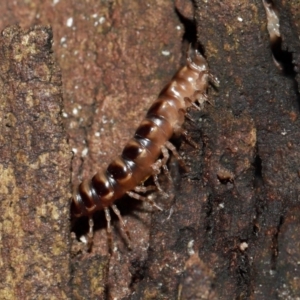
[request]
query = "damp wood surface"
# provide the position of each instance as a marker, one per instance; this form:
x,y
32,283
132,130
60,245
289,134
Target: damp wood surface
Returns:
x,y
34,170
231,226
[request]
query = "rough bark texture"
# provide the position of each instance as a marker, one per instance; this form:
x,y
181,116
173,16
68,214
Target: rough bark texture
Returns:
x,y
34,170
231,229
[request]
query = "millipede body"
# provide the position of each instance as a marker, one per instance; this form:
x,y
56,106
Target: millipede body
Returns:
x,y
140,157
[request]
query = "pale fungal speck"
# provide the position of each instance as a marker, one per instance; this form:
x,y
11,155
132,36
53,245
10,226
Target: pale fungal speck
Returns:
x,y
102,20
64,114
74,150
75,111
221,205
240,19
272,272
84,152
83,239
165,52
63,40
190,247
243,246
97,133
69,22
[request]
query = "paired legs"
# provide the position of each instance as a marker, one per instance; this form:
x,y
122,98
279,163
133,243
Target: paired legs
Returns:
x,y
160,164
157,166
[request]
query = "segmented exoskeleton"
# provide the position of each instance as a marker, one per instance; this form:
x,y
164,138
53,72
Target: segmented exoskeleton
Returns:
x,y
140,158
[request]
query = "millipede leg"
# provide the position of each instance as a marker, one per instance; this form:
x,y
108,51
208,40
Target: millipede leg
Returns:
x,y
214,80
189,117
172,148
156,171
144,189
202,98
191,103
164,161
123,224
157,184
188,138
109,231
142,198
90,234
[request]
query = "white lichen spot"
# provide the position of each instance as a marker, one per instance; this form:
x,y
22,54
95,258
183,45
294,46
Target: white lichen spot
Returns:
x,y
74,150
178,27
97,133
272,272
64,114
165,53
101,20
69,22
94,16
284,132
190,247
75,111
240,19
84,152
221,205
63,40
83,239
243,246
55,2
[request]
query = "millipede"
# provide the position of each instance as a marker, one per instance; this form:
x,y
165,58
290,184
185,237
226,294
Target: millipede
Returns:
x,y
147,152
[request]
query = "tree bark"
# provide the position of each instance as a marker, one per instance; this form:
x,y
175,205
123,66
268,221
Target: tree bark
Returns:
x,y
230,228
34,170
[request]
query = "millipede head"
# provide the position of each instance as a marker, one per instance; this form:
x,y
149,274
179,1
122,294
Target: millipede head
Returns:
x,y
195,60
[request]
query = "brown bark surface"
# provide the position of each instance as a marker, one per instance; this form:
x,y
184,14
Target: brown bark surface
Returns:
x,y
231,228
34,170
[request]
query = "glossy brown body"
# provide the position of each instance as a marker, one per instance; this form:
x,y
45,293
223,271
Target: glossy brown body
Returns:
x,y
164,118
